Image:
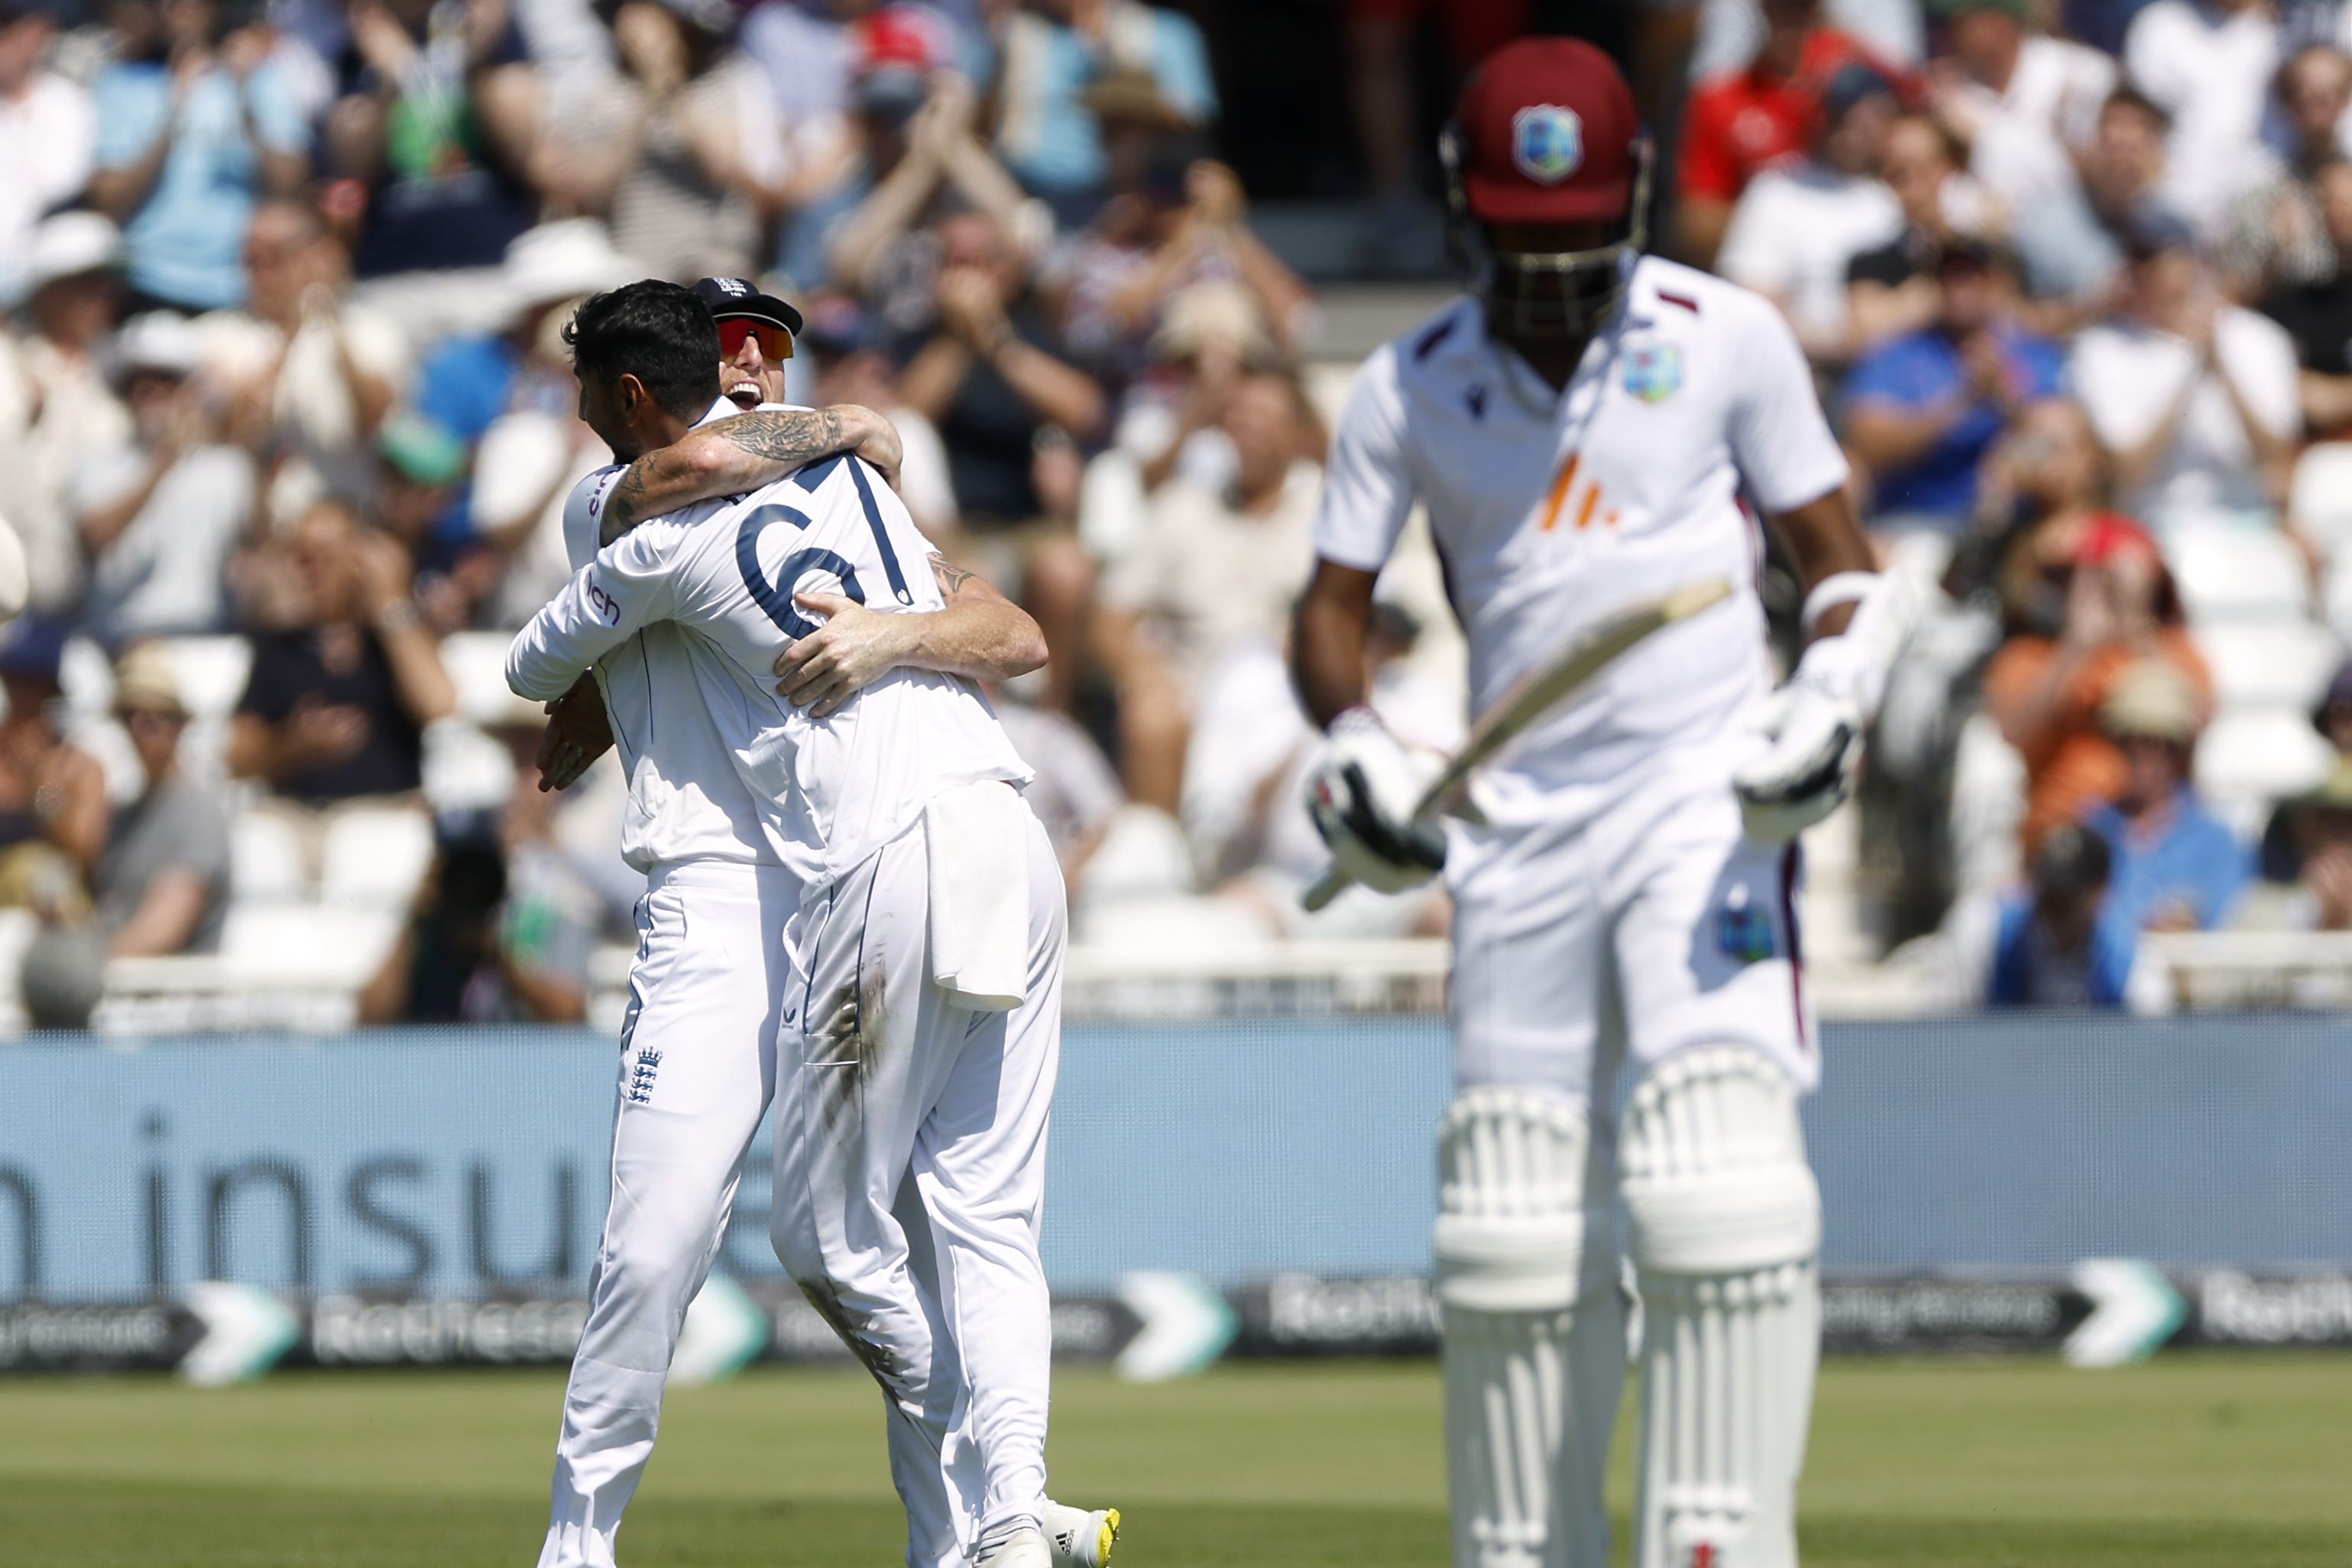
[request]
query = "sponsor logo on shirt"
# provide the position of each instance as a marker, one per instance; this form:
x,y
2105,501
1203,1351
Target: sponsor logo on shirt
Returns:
x,y
607,608
1654,372
1546,142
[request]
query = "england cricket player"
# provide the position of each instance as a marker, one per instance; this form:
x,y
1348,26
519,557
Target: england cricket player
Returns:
x,y
921,1029
1582,428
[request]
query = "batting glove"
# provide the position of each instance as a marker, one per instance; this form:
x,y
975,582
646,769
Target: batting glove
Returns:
x,y
1361,794
1815,752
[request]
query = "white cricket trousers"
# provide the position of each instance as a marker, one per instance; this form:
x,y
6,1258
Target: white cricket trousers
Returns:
x,y
697,1066
911,1166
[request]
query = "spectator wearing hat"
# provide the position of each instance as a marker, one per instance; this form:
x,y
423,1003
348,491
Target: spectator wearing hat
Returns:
x,y
2047,685
307,374
1922,411
1050,53
63,391
2210,63
53,803
1799,223
2051,944
195,126
2026,104
161,884
467,380
2317,314
420,471
161,516
2177,867
430,143
534,447
2194,398
1739,124
334,710
47,133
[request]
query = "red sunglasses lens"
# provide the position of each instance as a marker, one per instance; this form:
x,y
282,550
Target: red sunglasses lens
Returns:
x,y
773,345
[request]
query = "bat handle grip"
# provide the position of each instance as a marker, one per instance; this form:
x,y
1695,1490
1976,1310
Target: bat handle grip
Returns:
x,y
1327,887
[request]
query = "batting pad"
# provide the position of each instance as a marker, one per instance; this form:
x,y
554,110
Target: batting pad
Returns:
x,y
1534,1331
1725,1232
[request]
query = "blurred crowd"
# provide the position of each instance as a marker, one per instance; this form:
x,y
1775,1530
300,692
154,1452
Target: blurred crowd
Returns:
x,y
282,376
2076,280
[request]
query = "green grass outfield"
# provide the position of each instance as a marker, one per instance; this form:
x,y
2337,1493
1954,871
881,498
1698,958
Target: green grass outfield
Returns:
x,y
2238,1460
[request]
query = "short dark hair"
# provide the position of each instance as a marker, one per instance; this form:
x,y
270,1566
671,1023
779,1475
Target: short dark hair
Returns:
x,y
656,332
2130,99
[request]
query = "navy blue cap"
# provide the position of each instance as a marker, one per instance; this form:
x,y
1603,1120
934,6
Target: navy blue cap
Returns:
x,y
740,300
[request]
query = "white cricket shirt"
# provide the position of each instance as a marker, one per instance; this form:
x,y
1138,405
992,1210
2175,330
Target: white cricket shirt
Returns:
x,y
1551,511
720,579
685,802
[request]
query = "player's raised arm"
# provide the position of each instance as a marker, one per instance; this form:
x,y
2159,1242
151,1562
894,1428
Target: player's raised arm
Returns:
x,y
741,454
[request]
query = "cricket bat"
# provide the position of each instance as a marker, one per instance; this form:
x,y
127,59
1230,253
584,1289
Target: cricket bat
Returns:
x,y
1541,690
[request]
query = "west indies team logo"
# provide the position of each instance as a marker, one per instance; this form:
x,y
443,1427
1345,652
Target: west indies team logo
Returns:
x,y
1654,372
1546,142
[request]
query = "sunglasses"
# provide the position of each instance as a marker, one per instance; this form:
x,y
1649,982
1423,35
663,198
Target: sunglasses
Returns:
x,y
775,344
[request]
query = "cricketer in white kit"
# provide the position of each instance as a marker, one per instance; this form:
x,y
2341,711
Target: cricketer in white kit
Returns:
x,y
920,1026
698,1061
1580,428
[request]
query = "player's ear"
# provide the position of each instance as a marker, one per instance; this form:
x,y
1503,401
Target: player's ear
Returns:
x,y
629,395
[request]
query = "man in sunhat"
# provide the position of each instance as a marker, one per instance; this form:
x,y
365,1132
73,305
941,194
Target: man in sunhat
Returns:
x,y
162,885
2177,866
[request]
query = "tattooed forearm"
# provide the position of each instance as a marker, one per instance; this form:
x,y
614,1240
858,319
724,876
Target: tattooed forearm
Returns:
x,y
786,437
950,579
727,459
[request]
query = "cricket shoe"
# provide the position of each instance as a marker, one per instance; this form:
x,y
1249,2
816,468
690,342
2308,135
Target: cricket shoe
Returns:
x,y
1021,1549
1079,1539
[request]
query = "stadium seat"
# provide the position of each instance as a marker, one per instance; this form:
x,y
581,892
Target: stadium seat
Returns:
x,y
307,945
477,663
2268,663
2238,573
2260,754
375,855
264,860
2319,499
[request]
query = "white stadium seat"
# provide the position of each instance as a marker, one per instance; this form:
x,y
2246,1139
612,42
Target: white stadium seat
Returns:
x,y
375,855
327,946
2261,754
2238,573
2320,497
265,861
2268,663
477,663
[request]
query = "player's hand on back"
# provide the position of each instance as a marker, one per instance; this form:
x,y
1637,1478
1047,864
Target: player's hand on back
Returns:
x,y
1361,794
855,647
578,731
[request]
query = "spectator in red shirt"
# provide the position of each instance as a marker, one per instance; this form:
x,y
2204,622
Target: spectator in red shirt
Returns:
x,y
1737,122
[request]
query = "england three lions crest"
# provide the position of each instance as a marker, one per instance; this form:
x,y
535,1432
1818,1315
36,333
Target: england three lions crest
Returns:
x,y
1654,372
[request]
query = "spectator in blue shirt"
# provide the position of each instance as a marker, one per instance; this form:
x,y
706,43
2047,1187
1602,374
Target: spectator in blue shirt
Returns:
x,y
1053,50
195,126
1922,411
2177,867
2050,948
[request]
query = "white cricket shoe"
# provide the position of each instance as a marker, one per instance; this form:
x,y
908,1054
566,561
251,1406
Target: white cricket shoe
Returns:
x,y
1079,1539
1021,1549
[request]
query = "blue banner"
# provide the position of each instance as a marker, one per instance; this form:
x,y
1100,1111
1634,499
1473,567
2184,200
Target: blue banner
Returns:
x,y
473,1162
